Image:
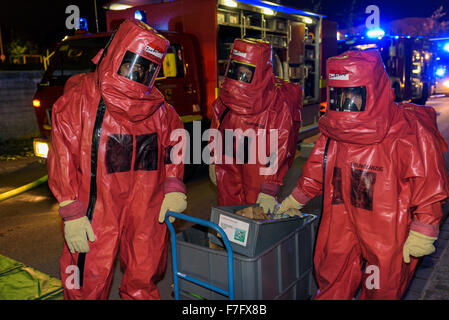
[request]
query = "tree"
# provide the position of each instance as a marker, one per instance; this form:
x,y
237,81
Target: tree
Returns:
x,y
317,6
434,26
19,47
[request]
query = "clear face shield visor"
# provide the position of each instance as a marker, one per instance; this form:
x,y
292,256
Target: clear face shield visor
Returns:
x,y
138,69
347,99
240,71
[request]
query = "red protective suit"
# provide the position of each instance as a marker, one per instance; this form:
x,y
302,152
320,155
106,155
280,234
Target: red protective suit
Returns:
x,y
384,175
112,157
264,104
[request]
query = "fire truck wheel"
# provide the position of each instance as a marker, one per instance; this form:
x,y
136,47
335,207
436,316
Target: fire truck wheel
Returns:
x,y
397,92
424,97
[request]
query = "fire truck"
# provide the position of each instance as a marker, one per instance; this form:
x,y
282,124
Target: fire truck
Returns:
x,y
408,62
440,83
201,33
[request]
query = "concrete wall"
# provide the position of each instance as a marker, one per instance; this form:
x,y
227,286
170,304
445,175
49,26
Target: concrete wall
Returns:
x,y
17,116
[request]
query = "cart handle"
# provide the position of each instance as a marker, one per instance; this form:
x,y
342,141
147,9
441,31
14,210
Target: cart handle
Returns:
x,y
176,274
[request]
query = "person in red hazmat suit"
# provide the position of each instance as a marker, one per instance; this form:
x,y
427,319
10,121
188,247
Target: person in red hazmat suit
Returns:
x,y
250,166
380,168
111,169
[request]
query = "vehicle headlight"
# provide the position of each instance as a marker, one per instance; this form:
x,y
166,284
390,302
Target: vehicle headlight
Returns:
x,y
40,148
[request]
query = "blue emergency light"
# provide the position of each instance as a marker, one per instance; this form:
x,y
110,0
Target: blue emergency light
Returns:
x,y
83,24
375,33
140,15
440,72
446,47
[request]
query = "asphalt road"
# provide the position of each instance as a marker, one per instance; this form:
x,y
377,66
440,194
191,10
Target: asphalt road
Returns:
x,y
441,106
30,227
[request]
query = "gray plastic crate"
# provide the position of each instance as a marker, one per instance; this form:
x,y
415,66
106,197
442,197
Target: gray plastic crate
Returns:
x,y
247,236
283,271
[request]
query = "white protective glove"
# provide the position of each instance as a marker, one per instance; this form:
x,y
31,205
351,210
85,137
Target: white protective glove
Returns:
x,y
212,175
267,202
173,201
77,232
291,207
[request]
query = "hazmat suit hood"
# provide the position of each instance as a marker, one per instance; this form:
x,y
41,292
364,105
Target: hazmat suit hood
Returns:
x,y
124,97
256,94
363,69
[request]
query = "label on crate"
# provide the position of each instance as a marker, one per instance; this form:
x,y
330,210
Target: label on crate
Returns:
x,y
236,230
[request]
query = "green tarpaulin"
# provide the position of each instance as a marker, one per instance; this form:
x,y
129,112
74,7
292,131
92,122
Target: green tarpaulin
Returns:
x,y
20,282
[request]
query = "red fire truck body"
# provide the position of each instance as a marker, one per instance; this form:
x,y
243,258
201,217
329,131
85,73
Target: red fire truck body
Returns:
x,y
201,33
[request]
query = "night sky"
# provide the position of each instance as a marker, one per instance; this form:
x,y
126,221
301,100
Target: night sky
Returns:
x,y
389,10
43,21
